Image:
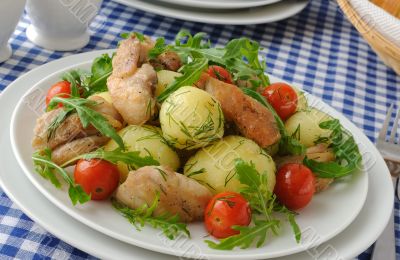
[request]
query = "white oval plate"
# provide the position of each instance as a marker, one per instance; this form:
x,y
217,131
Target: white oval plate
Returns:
x,y
262,14
220,4
329,213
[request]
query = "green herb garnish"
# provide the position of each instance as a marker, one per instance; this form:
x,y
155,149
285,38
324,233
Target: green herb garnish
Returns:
x,y
191,74
84,83
47,168
347,154
168,223
87,116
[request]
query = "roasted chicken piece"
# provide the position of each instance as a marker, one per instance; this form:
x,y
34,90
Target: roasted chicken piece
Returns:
x,y
320,153
71,128
178,193
131,84
130,55
253,120
167,61
68,151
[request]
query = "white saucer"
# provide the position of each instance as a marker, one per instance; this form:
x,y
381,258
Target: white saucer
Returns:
x,y
262,14
351,242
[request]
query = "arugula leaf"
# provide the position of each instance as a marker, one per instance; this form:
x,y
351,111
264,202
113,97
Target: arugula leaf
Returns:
x,y
100,71
168,223
74,77
51,129
185,39
159,48
191,74
250,51
89,116
288,144
291,217
347,154
129,158
46,168
239,56
247,236
84,83
138,35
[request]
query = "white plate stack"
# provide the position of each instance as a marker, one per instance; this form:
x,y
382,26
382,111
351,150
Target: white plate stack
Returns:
x,y
235,12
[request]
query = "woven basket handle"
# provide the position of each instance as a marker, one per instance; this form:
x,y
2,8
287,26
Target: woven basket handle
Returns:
x,y
388,51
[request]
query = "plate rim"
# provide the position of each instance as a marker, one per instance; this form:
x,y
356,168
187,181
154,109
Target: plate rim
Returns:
x,y
137,241
236,17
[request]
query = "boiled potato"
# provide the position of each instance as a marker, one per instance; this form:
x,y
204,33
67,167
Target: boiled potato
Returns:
x,y
214,166
191,118
105,95
148,141
304,125
164,78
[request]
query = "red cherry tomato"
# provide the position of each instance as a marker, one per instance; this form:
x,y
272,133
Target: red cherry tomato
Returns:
x,y
97,177
225,210
60,89
219,73
283,99
295,185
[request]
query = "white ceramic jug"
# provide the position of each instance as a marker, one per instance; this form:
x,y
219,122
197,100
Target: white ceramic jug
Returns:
x,y
61,25
10,12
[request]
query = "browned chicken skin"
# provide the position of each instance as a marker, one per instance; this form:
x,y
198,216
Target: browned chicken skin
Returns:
x,y
178,193
253,120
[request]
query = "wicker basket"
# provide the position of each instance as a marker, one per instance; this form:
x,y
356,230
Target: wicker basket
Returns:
x,y
386,50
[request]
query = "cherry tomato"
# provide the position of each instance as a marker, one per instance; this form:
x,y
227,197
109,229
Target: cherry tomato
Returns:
x,y
60,89
295,185
225,210
97,177
283,99
219,73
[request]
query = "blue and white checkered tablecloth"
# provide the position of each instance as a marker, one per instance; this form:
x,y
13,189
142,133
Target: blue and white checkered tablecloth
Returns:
x,y
318,49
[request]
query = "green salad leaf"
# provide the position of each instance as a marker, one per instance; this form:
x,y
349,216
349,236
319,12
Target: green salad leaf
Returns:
x,y
75,78
88,116
262,202
130,158
258,232
100,71
347,154
85,83
47,168
159,48
168,223
191,74
239,56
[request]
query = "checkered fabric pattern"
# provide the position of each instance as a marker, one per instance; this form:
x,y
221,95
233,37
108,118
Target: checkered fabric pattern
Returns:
x,y
318,49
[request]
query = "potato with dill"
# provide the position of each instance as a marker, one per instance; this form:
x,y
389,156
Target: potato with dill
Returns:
x,y
191,118
148,141
304,126
214,166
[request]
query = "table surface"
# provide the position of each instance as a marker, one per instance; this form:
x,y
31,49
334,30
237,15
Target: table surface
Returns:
x,y
317,49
